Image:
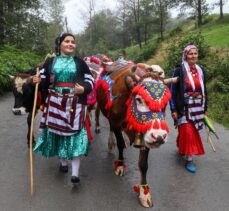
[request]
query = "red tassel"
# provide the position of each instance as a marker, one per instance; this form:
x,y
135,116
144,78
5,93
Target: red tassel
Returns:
x,y
136,188
115,164
146,190
156,124
105,86
164,126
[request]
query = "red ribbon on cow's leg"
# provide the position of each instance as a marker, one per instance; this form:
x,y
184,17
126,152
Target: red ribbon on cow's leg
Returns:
x,y
31,138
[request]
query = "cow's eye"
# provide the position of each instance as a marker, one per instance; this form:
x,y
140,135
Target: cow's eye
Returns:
x,y
139,100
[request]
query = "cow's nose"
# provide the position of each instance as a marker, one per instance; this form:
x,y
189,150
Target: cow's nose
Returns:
x,y
160,140
17,112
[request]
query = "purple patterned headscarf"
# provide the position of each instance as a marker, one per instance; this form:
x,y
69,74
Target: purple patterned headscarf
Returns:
x,y
186,50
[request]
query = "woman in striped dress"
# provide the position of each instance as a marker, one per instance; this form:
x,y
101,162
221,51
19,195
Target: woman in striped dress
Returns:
x,y
188,105
66,82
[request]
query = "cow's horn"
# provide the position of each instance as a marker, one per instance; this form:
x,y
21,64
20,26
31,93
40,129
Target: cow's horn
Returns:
x,y
143,65
171,80
11,77
133,69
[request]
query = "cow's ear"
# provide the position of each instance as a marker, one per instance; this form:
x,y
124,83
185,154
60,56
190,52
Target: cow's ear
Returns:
x,y
133,69
129,82
11,77
149,69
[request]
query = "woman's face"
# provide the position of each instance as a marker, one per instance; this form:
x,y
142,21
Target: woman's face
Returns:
x,y
192,56
67,46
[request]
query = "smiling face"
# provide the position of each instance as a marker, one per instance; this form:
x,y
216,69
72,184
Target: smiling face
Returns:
x,y
67,46
192,56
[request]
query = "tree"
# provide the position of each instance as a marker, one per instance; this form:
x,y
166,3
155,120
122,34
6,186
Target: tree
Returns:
x,y
200,8
161,14
13,15
221,3
2,23
101,30
133,14
53,11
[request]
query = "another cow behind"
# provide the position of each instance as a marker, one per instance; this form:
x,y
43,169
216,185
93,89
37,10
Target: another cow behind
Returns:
x,y
23,91
135,103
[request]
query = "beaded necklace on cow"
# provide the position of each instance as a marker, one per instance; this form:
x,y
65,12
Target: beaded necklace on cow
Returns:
x,y
156,96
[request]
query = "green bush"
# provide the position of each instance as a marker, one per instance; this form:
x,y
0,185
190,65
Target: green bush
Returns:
x,y
218,107
12,60
140,55
177,46
217,74
175,31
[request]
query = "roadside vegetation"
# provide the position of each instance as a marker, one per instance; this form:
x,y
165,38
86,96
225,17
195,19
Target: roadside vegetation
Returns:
x,y
213,43
143,28
13,60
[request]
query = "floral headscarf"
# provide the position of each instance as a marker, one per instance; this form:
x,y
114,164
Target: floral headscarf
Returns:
x,y
187,68
186,50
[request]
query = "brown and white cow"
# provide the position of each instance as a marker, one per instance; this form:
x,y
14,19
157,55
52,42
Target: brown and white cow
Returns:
x,y
23,91
134,101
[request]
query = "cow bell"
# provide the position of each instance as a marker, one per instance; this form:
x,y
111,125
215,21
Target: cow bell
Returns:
x,y
138,142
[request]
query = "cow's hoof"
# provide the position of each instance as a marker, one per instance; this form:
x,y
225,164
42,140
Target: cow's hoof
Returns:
x,y
145,198
97,130
119,168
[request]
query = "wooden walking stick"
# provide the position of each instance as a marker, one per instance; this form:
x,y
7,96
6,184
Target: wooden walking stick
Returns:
x,y
209,139
31,137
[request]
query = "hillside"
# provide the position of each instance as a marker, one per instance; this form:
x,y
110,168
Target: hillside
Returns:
x,y
215,35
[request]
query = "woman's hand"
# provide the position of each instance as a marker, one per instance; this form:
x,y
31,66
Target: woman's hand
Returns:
x,y
36,79
175,116
79,89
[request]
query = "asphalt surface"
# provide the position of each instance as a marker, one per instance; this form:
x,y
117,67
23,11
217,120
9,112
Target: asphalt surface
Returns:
x,y
171,186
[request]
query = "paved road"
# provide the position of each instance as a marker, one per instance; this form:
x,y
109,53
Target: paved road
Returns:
x,y
172,187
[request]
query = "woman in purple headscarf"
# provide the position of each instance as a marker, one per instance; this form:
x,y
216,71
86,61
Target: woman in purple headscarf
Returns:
x,y
189,105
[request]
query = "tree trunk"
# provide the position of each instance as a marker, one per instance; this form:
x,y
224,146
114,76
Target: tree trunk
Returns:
x,y
136,12
145,33
199,8
2,23
221,8
161,20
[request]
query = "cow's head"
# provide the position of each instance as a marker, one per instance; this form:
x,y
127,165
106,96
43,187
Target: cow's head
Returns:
x,y
23,91
146,109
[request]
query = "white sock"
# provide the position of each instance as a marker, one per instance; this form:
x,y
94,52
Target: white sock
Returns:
x,y
188,157
63,162
75,166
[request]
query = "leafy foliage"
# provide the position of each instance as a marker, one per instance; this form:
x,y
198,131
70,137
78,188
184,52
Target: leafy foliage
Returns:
x,y
12,61
218,107
27,24
217,73
177,46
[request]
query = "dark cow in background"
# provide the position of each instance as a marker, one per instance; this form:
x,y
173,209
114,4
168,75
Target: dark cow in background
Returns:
x,y
23,91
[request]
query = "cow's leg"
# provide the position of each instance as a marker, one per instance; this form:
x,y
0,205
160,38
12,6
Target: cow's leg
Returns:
x,y
97,113
29,121
119,164
111,142
143,189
